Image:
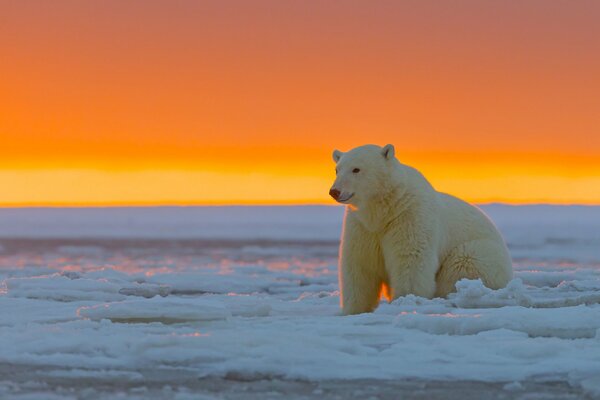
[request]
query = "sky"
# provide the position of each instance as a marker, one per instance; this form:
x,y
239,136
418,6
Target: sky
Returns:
x,y
238,102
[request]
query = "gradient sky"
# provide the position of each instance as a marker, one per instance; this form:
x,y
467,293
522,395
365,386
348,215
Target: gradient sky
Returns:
x,y
188,102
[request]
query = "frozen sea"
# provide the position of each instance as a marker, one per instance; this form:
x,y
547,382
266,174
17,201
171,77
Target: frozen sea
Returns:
x,y
243,302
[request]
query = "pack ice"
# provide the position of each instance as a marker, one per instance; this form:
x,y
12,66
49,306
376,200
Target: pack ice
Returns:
x,y
253,292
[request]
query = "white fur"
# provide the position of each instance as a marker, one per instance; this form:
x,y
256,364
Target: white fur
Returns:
x,y
401,236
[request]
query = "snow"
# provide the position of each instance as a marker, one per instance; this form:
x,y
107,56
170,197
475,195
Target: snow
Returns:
x,y
305,222
252,292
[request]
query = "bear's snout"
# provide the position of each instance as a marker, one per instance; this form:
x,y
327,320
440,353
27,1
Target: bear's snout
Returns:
x,y
334,193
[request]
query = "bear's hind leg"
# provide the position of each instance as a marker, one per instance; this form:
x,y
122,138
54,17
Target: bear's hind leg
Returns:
x,y
412,276
483,259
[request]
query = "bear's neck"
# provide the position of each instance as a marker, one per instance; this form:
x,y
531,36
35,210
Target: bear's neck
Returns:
x,y
404,195
383,210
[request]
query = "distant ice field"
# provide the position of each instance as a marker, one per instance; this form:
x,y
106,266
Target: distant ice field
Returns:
x,y
252,292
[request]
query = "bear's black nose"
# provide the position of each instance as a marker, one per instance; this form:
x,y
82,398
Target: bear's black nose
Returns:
x,y
334,193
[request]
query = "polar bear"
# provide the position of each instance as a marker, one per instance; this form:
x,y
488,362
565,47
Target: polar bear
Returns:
x,y
400,236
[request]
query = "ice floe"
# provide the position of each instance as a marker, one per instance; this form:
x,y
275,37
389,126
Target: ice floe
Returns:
x,y
249,308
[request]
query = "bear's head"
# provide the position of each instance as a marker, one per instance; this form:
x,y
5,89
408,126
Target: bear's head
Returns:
x,y
361,174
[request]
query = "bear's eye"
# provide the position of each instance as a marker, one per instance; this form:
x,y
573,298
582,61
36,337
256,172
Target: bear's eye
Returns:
x,y
356,170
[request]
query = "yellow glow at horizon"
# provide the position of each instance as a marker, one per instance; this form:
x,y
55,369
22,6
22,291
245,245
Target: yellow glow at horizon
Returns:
x,y
80,187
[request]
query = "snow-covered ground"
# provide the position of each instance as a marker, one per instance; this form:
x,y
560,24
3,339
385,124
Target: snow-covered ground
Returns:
x,y
251,292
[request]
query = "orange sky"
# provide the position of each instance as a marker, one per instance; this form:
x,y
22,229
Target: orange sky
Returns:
x,y
185,102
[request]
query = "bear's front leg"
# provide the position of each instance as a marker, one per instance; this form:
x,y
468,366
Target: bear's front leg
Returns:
x,y
411,270
360,270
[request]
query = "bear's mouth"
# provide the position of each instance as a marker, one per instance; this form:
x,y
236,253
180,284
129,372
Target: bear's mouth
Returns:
x,y
345,199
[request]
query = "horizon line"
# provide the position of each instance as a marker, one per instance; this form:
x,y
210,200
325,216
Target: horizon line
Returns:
x,y
262,204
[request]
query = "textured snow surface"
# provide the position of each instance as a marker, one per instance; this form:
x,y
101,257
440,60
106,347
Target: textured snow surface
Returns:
x,y
111,292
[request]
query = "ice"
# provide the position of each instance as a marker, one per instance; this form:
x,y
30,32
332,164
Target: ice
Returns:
x,y
303,223
473,294
250,293
72,287
574,322
177,310
167,311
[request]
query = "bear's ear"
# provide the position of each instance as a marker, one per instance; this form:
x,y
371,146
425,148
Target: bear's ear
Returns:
x,y
337,155
388,151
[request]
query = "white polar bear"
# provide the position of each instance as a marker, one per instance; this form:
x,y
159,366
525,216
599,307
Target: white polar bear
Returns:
x,y
401,236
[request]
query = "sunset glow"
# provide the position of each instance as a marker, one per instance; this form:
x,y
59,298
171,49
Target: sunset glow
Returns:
x,y
141,103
